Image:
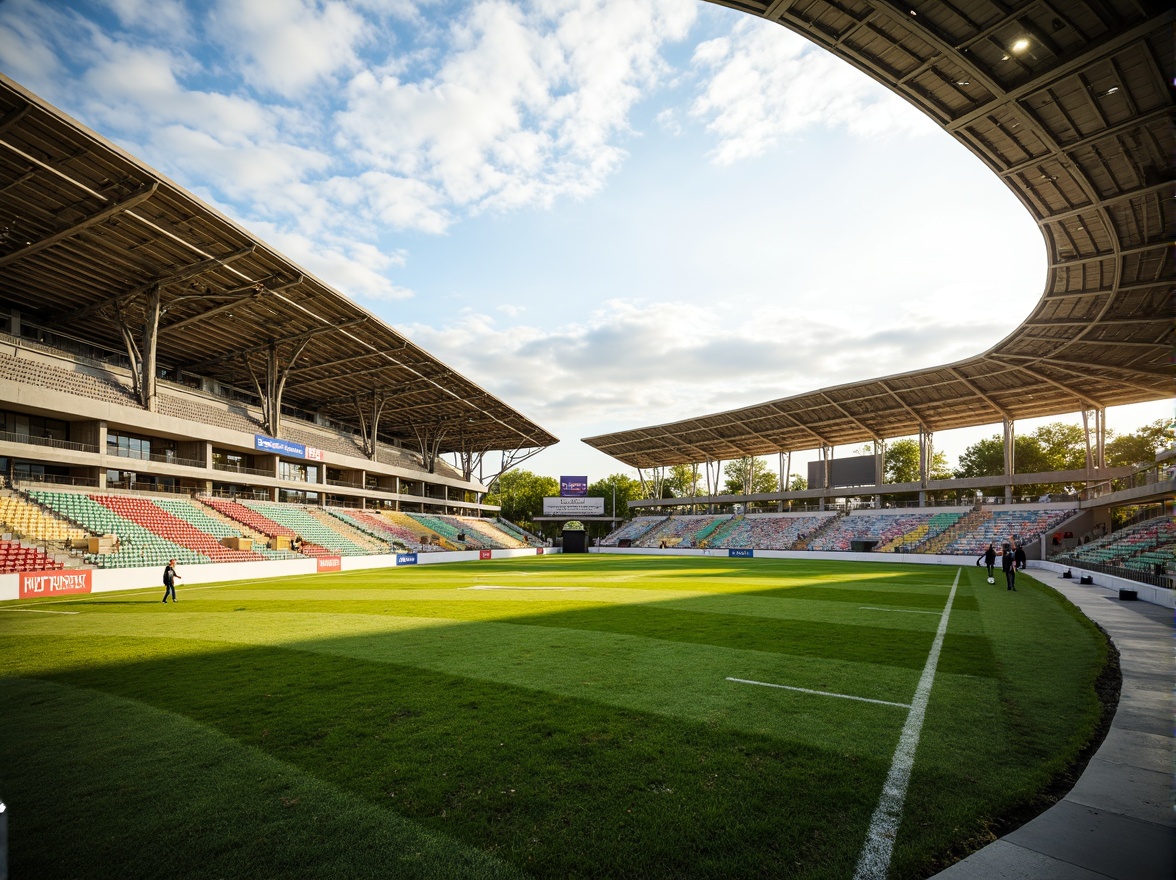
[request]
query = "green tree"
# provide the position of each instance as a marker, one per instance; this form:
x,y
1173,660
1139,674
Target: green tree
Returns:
x,y
683,480
1053,447
797,483
749,472
626,489
520,494
902,462
1140,446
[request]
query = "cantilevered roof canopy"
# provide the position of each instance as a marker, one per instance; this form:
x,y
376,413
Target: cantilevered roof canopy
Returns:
x,y
1069,102
86,230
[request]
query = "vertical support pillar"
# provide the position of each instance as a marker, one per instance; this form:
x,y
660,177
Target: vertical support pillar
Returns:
x,y
926,454
783,480
1010,457
879,470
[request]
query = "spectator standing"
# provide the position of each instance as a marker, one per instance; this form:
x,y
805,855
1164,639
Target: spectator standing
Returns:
x,y
169,581
989,558
1008,565
1020,558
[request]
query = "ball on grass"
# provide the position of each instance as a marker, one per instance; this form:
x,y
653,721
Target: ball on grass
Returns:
x,y
992,580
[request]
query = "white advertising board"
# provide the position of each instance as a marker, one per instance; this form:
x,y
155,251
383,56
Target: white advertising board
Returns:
x,y
573,506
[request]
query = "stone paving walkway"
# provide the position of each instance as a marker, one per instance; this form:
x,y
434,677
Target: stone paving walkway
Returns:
x,y
1118,821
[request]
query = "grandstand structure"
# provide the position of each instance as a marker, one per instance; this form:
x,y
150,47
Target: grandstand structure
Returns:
x,y
149,343
1070,103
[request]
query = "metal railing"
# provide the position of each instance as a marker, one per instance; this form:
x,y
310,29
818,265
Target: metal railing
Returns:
x,y
1150,475
55,480
157,457
238,469
1132,574
10,437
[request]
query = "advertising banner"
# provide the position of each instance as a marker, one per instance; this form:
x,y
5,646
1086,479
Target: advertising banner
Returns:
x,y
314,454
484,554
741,554
538,551
573,487
330,563
406,559
573,507
282,447
35,584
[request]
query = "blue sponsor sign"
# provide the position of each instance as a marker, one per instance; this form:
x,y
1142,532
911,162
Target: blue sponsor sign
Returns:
x,y
281,447
573,487
742,554
406,559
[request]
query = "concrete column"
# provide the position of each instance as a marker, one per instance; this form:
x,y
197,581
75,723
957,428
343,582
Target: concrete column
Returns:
x,y
1010,457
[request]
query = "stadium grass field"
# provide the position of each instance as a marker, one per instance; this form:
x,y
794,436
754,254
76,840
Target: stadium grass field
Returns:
x,y
559,716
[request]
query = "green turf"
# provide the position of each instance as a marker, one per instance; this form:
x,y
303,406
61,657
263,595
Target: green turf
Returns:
x,y
551,717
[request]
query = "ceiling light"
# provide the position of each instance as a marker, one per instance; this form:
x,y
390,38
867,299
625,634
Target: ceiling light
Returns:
x,y
962,82
1020,45
1109,91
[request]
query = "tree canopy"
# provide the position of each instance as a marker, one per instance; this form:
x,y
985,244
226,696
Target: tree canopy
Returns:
x,y
520,494
749,476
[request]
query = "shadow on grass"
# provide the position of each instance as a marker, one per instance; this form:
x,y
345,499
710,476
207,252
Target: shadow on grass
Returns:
x,y
556,786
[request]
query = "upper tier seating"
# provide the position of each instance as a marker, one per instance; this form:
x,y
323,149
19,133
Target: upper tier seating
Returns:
x,y
765,531
28,520
312,530
632,530
996,527
152,515
676,531
374,525
1139,547
249,517
15,557
138,546
450,528
886,528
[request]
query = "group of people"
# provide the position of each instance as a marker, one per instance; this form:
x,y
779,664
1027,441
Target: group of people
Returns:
x,y
1012,557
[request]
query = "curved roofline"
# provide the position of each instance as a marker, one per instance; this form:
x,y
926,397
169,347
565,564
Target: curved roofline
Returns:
x,y
1078,125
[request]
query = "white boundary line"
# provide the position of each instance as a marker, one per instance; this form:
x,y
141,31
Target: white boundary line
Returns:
x,y
39,611
899,610
820,693
874,860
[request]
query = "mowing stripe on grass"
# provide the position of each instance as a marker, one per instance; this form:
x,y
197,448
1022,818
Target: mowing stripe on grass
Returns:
x,y
900,610
787,687
874,861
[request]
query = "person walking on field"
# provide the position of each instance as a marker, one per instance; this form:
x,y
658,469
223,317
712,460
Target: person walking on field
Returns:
x,y
1020,557
169,581
989,559
1008,564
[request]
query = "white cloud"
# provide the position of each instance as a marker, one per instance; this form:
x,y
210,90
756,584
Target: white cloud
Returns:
x,y
629,364
765,84
159,16
525,106
286,46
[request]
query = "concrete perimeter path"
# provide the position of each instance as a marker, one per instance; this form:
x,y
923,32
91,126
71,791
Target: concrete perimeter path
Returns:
x,y
1118,821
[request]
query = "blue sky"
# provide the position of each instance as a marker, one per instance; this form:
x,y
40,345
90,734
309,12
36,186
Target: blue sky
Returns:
x,y
610,213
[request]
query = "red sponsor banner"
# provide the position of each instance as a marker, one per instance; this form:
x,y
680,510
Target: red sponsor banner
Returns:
x,y
35,584
483,554
330,563
538,551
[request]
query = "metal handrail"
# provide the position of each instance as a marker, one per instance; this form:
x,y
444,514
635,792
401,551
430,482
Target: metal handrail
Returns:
x,y
11,437
237,469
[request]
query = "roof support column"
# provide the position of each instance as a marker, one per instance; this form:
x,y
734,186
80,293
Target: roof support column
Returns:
x,y
275,384
142,354
1095,419
826,473
1010,457
926,454
879,469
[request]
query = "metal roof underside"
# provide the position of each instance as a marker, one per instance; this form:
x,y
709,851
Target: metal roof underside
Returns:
x,y
86,229
1079,125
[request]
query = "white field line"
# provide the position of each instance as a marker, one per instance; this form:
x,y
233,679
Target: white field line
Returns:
x,y
874,860
820,693
39,611
899,610
500,587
